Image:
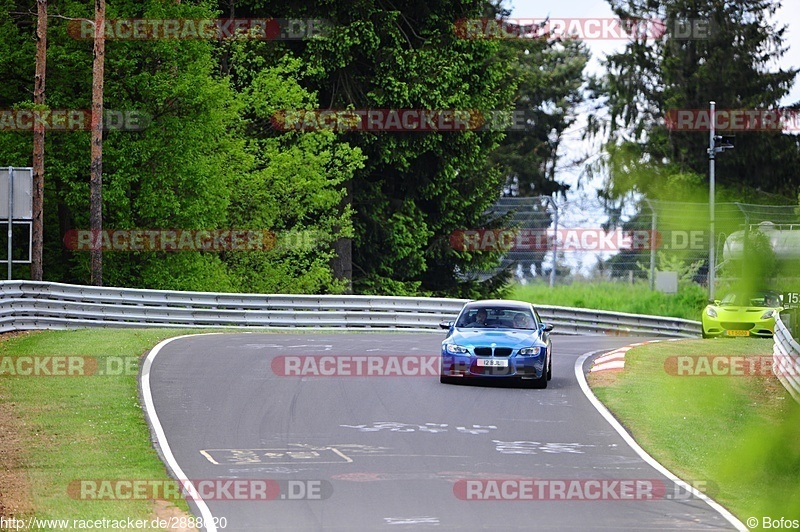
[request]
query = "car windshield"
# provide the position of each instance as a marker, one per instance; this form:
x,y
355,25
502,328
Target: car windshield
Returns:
x,y
763,299
496,317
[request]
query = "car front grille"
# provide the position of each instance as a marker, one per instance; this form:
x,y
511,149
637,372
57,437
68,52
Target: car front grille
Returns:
x,y
737,326
488,351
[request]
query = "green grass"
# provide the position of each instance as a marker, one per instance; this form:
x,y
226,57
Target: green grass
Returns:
x,y
635,298
83,427
739,433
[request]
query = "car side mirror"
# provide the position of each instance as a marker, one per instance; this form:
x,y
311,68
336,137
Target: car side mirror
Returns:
x,y
445,324
547,327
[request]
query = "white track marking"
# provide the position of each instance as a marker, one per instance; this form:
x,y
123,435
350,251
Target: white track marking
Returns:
x,y
641,452
161,437
411,520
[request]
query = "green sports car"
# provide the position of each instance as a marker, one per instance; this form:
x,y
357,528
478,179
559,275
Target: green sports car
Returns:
x,y
740,314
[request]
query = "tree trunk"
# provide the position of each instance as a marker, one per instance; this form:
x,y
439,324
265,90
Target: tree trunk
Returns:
x,y
96,178
342,262
37,225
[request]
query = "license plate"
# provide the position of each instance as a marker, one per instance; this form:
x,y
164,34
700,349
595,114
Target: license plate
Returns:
x,y
492,362
737,333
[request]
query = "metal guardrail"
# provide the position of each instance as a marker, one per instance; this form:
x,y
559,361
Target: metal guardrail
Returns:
x,y
786,359
41,305
570,320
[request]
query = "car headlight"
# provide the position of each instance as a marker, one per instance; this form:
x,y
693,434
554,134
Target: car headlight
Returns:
x,y
529,351
711,312
454,349
768,314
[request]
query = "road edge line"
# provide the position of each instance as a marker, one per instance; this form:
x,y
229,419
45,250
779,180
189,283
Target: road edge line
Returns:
x,y
161,437
652,462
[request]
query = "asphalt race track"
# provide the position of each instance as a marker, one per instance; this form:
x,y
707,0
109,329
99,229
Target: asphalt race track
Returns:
x,y
389,452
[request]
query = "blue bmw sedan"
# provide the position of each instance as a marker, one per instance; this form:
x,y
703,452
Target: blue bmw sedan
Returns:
x,y
497,339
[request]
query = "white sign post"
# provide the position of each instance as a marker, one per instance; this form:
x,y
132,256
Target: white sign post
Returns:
x,y
16,206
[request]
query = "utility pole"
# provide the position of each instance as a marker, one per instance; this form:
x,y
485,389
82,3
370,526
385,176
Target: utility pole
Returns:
x,y
712,244
725,143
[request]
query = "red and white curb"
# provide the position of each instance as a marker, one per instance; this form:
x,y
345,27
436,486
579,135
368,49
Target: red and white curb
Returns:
x,y
615,360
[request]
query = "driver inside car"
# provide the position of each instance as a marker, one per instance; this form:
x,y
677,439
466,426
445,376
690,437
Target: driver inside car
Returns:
x,y
480,319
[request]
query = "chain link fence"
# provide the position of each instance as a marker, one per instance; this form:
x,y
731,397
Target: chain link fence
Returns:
x,y
545,240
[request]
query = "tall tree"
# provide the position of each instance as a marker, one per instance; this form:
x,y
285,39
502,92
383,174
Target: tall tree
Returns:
x,y
171,172
293,184
37,196
415,188
96,176
549,72
731,64
730,60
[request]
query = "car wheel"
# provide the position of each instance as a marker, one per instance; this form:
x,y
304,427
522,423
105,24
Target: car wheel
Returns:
x,y
541,382
550,369
705,335
445,380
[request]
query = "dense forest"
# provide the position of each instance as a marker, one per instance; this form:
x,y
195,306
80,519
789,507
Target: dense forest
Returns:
x,y
211,146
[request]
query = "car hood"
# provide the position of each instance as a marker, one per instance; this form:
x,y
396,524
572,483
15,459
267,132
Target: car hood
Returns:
x,y
514,339
741,309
